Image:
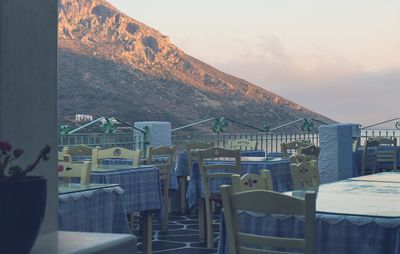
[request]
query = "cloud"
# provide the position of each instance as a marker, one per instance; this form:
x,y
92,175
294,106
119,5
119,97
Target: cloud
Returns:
x,y
329,84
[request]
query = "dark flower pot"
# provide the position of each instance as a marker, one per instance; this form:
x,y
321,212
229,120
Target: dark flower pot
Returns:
x,y
22,208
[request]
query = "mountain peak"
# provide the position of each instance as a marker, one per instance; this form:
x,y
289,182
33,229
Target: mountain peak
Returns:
x,y
133,71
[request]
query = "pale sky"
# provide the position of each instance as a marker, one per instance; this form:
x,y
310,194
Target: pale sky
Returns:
x,y
340,58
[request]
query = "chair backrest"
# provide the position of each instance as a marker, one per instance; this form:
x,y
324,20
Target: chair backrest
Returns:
x,y
242,144
305,175
369,157
355,142
291,147
75,170
62,156
116,153
387,152
221,168
163,158
268,202
191,147
250,181
78,150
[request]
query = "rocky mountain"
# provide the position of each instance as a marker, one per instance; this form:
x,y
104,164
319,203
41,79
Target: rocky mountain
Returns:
x,y
113,65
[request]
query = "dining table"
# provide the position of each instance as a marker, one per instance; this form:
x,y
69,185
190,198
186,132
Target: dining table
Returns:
x,y
357,215
143,193
92,208
279,167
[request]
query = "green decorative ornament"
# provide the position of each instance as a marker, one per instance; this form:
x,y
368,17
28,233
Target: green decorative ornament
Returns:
x,y
64,129
219,125
267,127
108,125
307,125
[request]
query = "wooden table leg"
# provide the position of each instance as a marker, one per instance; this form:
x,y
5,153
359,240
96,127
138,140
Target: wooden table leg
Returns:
x,y
202,228
147,232
183,180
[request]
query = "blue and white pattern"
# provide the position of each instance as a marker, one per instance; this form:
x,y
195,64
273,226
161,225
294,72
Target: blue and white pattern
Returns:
x,y
142,187
349,228
280,172
100,210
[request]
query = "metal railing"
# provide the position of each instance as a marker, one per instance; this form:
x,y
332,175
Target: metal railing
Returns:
x,y
130,140
269,142
389,128
135,138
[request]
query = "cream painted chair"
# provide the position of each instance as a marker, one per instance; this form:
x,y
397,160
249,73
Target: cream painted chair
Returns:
x,y
305,175
75,170
242,144
250,181
115,153
290,148
190,148
269,202
219,169
163,158
62,156
78,150
386,156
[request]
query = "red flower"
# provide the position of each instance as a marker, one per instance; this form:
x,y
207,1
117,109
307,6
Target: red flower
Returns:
x,y
5,146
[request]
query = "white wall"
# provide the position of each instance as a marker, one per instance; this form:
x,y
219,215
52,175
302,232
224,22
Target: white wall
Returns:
x,y
28,86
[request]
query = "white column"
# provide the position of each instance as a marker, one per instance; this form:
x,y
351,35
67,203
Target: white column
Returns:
x,y
28,86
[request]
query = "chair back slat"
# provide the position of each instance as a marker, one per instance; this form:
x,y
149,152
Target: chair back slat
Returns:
x,y
116,153
250,181
75,170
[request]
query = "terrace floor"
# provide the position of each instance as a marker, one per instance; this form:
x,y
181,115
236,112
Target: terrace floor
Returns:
x,y
182,236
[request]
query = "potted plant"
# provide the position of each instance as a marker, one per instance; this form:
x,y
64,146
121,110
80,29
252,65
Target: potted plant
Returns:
x,y
22,200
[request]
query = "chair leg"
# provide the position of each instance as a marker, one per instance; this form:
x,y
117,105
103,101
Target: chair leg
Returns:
x,y
183,194
209,219
164,224
202,233
132,220
147,232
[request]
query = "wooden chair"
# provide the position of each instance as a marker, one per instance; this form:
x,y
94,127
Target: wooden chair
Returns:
x,y
78,170
163,158
242,144
305,175
190,148
78,150
289,148
355,142
308,153
386,156
221,170
369,157
62,156
268,202
115,153
250,181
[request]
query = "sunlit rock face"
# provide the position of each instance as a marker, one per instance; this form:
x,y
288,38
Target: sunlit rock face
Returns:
x,y
111,64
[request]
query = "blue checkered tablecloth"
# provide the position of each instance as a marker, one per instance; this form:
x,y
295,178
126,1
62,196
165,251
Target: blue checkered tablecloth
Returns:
x,y
117,163
358,224
182,163
142,187
100,210
280,172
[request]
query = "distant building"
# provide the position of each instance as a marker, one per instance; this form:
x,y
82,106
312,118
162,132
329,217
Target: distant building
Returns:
x,y
83,118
